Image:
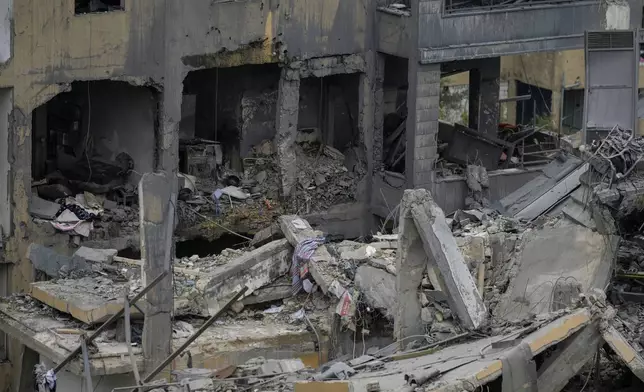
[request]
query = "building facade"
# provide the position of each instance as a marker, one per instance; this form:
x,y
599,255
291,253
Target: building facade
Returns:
x,y
132,74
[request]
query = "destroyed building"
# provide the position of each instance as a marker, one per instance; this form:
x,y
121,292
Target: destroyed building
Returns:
x,y
248,111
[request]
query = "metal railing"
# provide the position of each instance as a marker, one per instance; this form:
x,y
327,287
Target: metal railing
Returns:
x,y
456,6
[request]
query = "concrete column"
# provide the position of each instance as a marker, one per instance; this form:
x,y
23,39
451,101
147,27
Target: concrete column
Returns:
x,y
474,98
422,123
376,88
288,104
411,262
489,96
555,109
511,107
157,225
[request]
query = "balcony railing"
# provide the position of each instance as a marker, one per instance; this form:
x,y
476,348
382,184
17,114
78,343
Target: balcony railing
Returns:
x,y
456,6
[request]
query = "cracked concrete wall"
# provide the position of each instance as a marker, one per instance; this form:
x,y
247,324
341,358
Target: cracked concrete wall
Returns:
x,y
155,43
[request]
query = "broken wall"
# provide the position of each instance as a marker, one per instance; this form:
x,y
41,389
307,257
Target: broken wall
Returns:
x,y
235,33
335,112
122,119
235,105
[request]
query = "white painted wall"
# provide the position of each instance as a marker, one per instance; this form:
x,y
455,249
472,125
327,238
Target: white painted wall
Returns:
x,y
6,7
618,16
6,105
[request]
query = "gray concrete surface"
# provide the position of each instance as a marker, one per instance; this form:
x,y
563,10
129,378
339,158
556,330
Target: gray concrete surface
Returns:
x,y
439,243
563,251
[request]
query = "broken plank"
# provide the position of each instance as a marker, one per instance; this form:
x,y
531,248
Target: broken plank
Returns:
x,y
623,349
254,269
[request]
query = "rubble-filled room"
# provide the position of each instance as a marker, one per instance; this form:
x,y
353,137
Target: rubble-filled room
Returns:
x,y
228,159
90,146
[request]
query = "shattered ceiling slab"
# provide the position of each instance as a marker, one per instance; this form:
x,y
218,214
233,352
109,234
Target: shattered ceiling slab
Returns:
x,y
558,178
559,252
83,298
466,366
230,342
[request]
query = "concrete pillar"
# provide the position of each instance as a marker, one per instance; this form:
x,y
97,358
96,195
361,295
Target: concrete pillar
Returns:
x,y
489,96
411,262
375,89
511,107
474,96
556,108
157,226
423,99
288,100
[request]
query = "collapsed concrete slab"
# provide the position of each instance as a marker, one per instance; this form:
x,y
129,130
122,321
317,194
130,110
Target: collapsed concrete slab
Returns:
x,y
254,269
556,252
378,288
96,255
439,243
84,299
467,366
54,264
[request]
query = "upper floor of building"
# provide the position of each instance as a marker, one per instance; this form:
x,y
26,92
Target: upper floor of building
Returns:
x,y
58,41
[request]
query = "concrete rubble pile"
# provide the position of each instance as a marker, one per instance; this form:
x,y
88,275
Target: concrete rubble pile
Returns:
x,y
482,297
249,200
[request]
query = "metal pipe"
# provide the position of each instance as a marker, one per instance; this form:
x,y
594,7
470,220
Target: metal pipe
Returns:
x,y
516,99
194,336
108,323
128,340
86,367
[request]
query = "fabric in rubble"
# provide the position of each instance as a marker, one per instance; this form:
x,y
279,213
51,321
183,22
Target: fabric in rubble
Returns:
x,y
302,254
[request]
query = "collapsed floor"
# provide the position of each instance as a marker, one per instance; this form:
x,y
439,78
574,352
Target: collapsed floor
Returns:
x,y
495,296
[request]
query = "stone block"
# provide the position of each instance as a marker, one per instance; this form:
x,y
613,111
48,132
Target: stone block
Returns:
x,y
105,256
254,269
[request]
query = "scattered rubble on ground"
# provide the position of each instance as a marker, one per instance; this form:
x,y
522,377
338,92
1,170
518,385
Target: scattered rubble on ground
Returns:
x,y
513,292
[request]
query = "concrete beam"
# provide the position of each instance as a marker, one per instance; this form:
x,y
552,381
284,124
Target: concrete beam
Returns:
x,y
438,242
296,230
254,269
623,349
559,368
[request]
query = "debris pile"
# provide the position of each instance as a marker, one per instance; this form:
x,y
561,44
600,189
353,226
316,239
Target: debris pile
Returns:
x,y
512,146
476,296
248,201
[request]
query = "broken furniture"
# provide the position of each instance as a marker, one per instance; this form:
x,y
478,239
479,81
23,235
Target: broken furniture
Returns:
x,y
467,146
200,157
